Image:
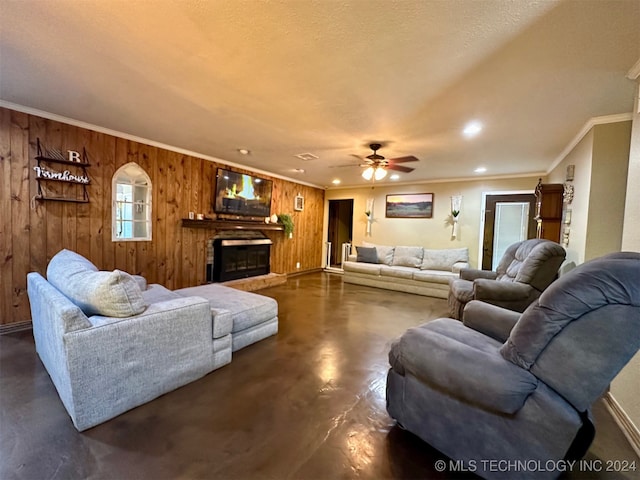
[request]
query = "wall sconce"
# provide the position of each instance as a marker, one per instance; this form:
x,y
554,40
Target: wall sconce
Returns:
x,y
369,213
456,205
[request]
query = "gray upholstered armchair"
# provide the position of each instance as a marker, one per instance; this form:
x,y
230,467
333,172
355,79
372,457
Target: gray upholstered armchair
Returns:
x,y
524,271
521,388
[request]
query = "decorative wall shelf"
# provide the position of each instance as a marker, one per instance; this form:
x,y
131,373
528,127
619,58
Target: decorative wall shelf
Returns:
x,y
76,176
62,199
64,162
230,225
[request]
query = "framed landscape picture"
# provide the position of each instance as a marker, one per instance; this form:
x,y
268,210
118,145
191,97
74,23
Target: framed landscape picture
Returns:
x,y
410,205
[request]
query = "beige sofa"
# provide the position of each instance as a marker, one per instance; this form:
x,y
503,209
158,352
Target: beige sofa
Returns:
x,y
417,270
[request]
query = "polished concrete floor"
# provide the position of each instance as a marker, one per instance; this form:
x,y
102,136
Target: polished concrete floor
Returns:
x,y
305,404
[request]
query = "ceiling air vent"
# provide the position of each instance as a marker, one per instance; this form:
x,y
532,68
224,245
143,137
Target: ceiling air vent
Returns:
x,y
306,156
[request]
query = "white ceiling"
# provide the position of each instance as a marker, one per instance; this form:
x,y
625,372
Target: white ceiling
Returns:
x,y
327,77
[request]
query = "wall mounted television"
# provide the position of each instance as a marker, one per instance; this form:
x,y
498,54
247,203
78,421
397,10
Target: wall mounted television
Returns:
x,y
241,194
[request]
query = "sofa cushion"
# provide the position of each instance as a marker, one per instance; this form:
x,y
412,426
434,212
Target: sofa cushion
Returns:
x,y
367,254
397,272
385,252
157,293
142,282
368,268
433,276
443,259
247,308
111,294
407,257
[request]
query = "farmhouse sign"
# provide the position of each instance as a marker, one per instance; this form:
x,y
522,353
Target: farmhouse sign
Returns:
x,y
66,176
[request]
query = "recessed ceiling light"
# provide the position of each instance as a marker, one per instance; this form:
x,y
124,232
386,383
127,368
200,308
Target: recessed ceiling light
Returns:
x,y
243,151
480,170
336,182
472,129
395,176
298,170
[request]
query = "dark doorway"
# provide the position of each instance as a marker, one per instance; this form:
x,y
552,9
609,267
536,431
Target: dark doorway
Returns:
x,y
340,228
515,212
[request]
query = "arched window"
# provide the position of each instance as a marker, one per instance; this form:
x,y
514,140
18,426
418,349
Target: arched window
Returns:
x,y
131,211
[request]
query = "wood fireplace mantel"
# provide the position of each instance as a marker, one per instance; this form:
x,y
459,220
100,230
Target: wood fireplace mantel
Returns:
x,y
230,225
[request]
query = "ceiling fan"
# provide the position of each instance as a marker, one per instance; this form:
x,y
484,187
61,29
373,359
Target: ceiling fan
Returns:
x,y
376,166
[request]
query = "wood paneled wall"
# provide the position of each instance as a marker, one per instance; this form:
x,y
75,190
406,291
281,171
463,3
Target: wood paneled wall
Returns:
x,y
31,231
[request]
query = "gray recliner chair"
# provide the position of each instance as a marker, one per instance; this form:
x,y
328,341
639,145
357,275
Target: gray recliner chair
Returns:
x,y
524,271
519,387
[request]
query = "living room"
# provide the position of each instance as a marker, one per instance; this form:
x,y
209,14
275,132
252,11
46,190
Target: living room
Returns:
x,y
602,148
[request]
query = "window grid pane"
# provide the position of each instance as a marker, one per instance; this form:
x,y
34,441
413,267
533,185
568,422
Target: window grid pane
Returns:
x,y
132,205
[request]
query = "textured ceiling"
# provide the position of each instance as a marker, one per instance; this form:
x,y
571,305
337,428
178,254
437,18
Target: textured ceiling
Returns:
x,y
328,77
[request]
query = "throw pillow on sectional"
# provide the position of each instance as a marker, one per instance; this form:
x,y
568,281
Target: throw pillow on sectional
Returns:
x,y
367,254
407,257
111,294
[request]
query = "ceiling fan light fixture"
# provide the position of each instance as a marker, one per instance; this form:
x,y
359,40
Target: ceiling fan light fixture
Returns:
x,y
380,173
368,173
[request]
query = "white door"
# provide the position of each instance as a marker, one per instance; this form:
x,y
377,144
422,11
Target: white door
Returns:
x,y
511,226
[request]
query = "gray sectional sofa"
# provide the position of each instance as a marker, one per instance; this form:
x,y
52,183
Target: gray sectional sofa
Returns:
x,y
410,269
110,342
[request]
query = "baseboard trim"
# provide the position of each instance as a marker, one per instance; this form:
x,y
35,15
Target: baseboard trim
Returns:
x,y
334,270
304,272
15,327
629,429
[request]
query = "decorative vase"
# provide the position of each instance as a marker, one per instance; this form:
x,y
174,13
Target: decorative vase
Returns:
x,y
274,218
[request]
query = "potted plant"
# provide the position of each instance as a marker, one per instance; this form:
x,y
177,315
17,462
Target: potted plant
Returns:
x,y
286,220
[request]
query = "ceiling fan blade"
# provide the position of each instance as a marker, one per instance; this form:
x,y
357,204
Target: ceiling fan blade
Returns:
x,y
345,165
409,158
400,168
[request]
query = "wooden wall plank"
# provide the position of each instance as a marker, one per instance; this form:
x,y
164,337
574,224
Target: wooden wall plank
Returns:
x,y
83,139
174,235
69,210
53,139
108,156
94,147
20,201
160,214
187,274
38,217
6,245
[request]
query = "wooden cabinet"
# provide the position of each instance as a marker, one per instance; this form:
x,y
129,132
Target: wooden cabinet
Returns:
x,y
549,200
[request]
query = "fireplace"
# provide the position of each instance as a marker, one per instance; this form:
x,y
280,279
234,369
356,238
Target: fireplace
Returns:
x,y
235,257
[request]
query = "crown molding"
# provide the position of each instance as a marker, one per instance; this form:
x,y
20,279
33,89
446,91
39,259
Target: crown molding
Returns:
x,y
634,72
592,122
440,180
146,141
